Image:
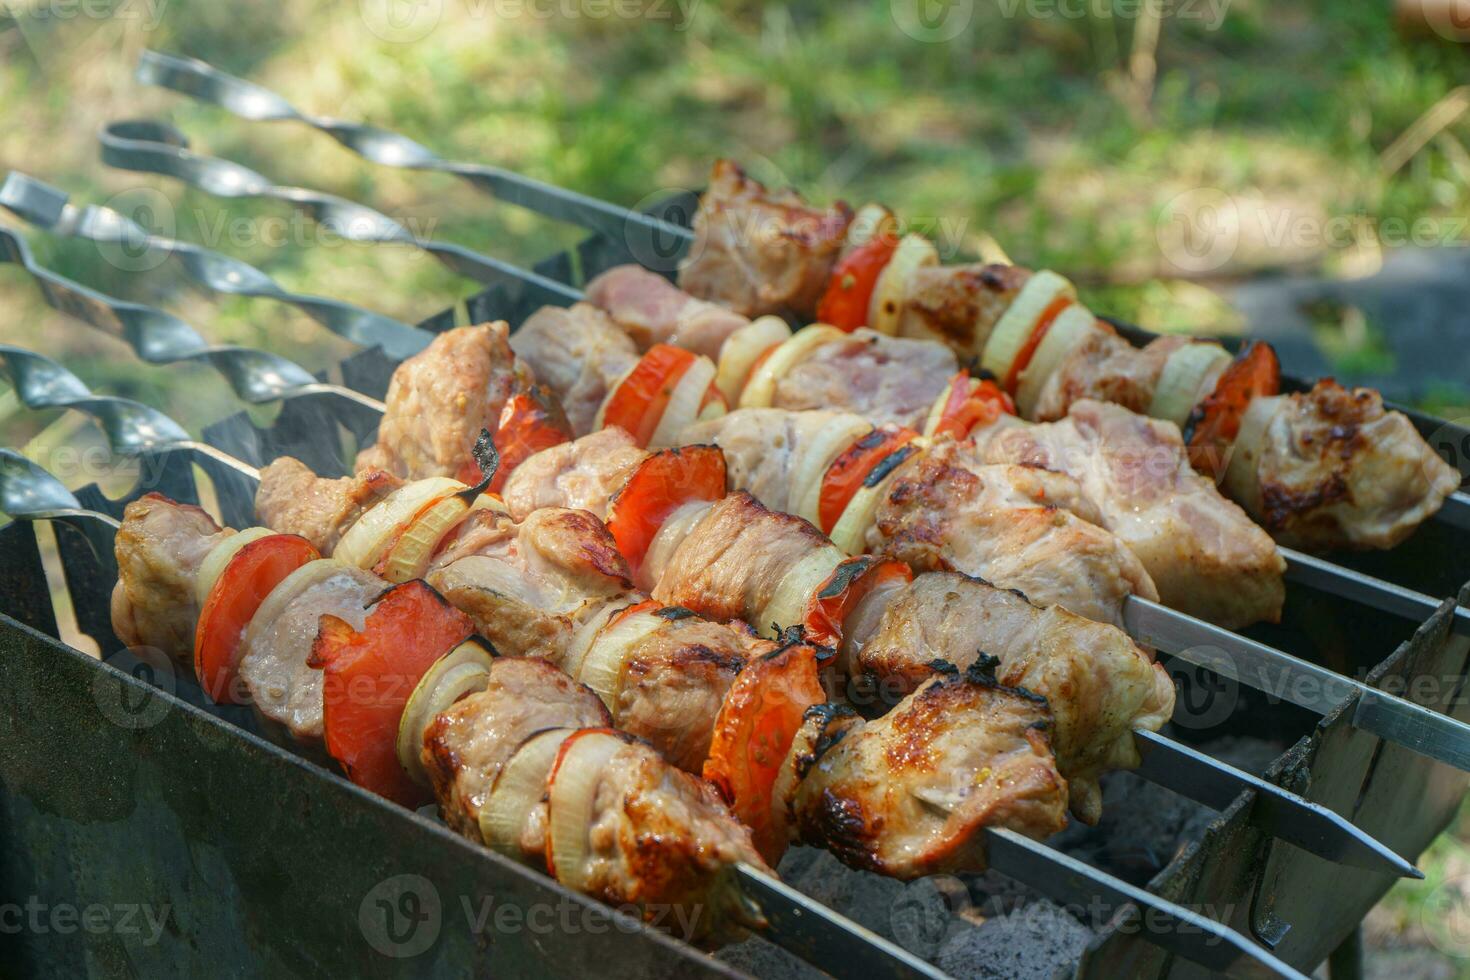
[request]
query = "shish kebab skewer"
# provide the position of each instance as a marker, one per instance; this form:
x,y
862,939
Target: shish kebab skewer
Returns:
x,y
158,149
593,757
788,258
1396,719
133,428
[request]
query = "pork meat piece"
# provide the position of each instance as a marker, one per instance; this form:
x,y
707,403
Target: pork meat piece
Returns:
x,y
886,380
759,251
159,548
1106,367
582,474
579,354
294,500
654,311
959,305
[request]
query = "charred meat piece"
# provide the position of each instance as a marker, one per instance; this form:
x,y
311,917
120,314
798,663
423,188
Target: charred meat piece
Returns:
x,y
466,745
959,305
996,522
579,354
528,585
1335,469
760,251
292,499
911,793
1099,684
582,474
654,311
1206,555
159,548
886,380
440,399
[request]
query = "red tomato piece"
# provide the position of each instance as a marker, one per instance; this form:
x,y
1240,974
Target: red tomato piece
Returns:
x,y
970,407
753,733
248,578
1215,421
526,426
850,290
640,400
848,584
1038,334
848,471
660,484
368,677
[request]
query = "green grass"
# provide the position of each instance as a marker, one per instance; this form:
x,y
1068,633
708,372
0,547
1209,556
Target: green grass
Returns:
x,y
1025,131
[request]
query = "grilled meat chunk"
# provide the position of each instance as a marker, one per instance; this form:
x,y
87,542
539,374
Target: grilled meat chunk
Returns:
x,y
294,500
886,380
765,448
582,474
579,354
911,793
1108,368
1335,469
959,305
283,687
674,681
996,522
654,836
654,311
1099,683
466,745
159,549
440,399
1203,552
759,251
731,561
528,585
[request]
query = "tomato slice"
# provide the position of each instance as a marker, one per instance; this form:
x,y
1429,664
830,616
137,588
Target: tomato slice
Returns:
x,y
971,406
369,675
248,578
849,583
1215,421
640,400
1038,334
753,733
526,426
850,290
660,484
850,469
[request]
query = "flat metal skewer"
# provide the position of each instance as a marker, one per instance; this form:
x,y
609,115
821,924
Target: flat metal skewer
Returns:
x,y
132,427
247,100
46,207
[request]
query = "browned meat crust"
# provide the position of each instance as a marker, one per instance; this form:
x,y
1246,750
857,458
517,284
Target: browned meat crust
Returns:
x,y
294,500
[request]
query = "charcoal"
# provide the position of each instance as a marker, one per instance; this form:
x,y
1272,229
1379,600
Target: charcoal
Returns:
x,y
1035,941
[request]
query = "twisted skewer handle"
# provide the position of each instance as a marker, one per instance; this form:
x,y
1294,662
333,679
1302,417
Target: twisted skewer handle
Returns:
x,y
247,100
46,207
155,147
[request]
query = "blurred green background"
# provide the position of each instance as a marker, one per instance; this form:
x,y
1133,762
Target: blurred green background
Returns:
x,y
1091,136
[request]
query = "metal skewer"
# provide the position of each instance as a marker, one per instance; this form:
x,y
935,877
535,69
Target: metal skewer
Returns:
x,y
46,207
133,428
797,923
205,83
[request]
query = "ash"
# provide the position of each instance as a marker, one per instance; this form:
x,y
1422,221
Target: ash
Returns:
x,y
988,926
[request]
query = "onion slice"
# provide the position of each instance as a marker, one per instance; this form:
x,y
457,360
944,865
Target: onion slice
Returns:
x,y
1071,327
742,349
461,671
601,668
871,220
850,531
801,582
409,556
1019,320
816,457
761,390
373,533
1182,381
571,796
684,405
519,788
219,556
885,309
1242,474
